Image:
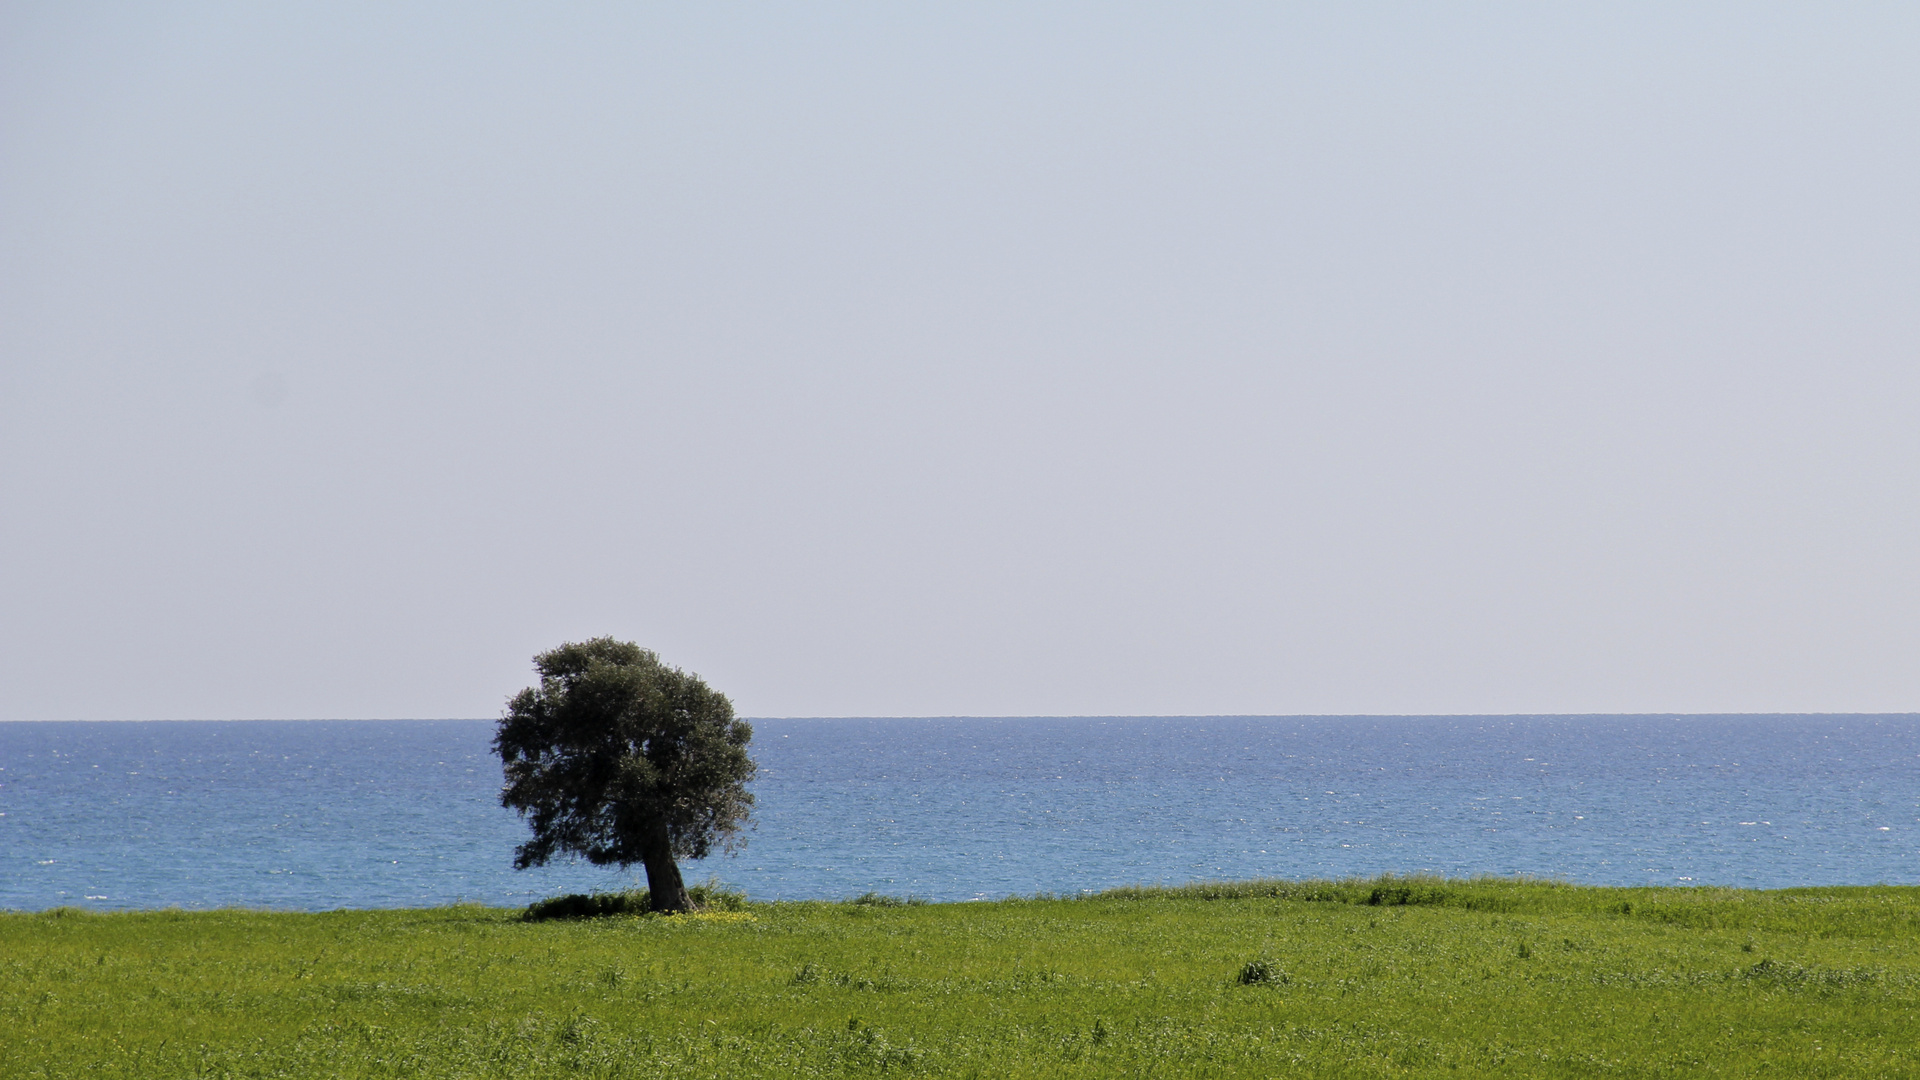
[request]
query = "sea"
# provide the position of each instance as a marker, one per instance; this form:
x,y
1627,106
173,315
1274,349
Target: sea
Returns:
x,y
322,814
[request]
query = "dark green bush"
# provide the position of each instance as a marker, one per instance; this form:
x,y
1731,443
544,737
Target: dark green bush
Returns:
x,y
1263,972
1407,893
711,896
589,905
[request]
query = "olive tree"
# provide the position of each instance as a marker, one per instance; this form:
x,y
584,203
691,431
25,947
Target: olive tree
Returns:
x,y
620,759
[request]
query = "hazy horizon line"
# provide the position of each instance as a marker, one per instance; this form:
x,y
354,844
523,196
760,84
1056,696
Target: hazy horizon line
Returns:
x,y
987,716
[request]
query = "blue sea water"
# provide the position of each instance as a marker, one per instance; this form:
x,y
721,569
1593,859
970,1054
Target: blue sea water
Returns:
x,y
326,814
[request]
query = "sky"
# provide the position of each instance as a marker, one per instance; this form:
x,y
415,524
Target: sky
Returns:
x,y
961,359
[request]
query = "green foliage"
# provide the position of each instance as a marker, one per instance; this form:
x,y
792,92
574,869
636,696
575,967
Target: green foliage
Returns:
x,y
620,759
589,905
613,744
1262,971
710,896
1241,980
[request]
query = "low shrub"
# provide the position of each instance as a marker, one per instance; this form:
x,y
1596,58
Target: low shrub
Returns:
x,y
589,905
1263,972
708,896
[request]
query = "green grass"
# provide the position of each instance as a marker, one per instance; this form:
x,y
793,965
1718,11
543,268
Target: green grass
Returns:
x,y
1257,979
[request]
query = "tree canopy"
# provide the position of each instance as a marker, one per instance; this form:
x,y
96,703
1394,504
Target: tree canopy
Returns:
x,y
619,758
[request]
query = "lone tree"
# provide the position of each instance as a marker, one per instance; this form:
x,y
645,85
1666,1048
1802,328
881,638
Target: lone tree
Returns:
x,y
620,759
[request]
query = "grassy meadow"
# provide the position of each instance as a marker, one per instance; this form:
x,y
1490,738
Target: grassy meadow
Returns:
x,y
1258,979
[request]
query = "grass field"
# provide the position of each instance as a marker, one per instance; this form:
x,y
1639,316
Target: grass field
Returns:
x,y
1384,978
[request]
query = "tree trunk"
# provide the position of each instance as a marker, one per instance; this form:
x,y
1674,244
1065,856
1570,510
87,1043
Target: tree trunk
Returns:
x,y
665,890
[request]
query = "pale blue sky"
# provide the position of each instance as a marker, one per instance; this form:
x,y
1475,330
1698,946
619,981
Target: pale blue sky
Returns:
x,y
961,359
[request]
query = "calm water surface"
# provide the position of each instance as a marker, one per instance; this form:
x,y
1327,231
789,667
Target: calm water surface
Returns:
x,y
323,814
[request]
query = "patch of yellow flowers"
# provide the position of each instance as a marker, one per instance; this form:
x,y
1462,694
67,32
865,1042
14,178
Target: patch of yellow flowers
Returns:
x,y
699,916
718,916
